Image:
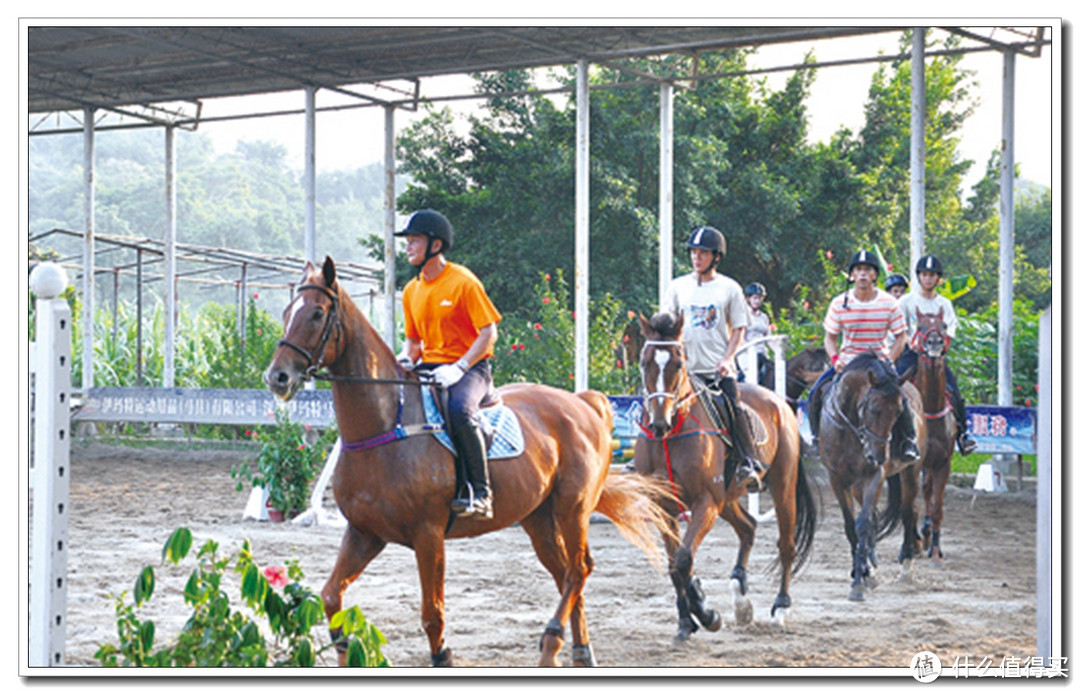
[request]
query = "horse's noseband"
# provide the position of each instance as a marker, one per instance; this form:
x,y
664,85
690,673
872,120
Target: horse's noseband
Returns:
x,y
315,356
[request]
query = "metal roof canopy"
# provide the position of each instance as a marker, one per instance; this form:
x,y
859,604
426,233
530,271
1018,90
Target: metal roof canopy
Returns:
x,y
156,73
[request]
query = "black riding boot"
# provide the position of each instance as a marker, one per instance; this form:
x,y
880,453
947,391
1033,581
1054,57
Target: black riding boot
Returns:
x,y
905,430
476,500
750,469
965,442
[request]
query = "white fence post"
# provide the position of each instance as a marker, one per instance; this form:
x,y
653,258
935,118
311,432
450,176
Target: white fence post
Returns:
x,y
52,472
1048,555
778,343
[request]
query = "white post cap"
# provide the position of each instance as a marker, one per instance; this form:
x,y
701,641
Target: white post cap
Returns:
x,y
48,280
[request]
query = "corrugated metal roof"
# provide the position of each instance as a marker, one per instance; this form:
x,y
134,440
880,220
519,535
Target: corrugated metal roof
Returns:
x,y
72,67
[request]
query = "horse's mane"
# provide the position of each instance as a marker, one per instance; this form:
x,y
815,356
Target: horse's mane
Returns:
x,y
886,380
664,325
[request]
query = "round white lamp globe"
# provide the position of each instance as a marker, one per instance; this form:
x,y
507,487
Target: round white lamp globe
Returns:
x,y
48,280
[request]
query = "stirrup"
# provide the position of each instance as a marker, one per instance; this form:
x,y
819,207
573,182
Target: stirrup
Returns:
x,y
752,472
966,443
909,451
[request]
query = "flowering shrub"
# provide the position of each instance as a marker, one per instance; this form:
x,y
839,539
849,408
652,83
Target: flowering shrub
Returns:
x,y
287,463
540,348
217,635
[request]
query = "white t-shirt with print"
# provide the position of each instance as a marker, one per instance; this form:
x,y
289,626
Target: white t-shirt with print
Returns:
x,y
711,311
915,301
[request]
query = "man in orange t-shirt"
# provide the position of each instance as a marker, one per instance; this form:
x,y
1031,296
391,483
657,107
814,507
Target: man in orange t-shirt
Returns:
x,y
450,330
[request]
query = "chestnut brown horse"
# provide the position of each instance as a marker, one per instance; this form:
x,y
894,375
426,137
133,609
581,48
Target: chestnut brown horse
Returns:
x,y
931,343
857,448
682,446
395,487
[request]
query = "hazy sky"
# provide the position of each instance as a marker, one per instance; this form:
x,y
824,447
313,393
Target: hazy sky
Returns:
x,y
352,138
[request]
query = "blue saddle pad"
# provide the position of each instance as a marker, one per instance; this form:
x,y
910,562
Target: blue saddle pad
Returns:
x,y
508,442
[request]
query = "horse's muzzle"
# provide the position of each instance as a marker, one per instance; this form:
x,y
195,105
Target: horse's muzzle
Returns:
x,y
282,382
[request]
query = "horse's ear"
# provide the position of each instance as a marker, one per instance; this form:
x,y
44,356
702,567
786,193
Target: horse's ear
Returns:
x,y
329,272
309,270
643,323
941,313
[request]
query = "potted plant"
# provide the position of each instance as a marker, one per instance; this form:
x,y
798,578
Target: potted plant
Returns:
x,y
286,465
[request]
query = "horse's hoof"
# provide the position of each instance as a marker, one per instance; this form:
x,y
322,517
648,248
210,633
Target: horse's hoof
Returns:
x,y
871,581
582,656
686,630
712,621
443,658
779,618
856,594
905,570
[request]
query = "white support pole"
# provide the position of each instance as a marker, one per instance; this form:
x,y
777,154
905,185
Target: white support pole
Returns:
x,y
917,173
88,251
169,365
1005,246
1048,554
51,475
309,173
390,205
581,233
667,203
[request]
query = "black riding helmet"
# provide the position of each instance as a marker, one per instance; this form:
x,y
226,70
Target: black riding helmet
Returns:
x,y
433,225
929,263
708,239
755,288
864,257
896,280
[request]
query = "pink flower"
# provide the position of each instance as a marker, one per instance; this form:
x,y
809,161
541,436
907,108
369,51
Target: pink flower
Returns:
x,y
547,276
618,363
254,296
258,331
277,576
1036,387
828,254
888,267
806,305
538,327
772,327
546,299
630,314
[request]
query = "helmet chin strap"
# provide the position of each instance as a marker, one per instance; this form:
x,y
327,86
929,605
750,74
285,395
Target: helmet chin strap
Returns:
x,y
428,255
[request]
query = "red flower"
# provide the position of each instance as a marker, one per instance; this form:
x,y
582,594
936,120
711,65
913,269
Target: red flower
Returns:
x,y
254,296
547,276
546,299
277,576
618,363
1028,402
1036,387
258,331
538,327
247,432
888,266
301,447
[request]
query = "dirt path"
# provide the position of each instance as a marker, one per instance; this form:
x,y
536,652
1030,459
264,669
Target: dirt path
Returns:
x,y
125,503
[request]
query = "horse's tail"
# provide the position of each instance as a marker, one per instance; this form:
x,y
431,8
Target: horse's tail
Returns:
x,y
891,518
632,503
805,517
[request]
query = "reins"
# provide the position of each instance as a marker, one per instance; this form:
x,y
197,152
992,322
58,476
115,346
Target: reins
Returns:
x,y
333,323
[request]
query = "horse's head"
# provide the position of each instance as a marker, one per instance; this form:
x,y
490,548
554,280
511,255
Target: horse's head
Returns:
x,y
662,370
871,400
931,334
312,331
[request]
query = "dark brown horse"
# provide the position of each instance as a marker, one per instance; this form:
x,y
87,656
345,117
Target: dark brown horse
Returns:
x,y
684,448
931,343
857,448
803,371
393,486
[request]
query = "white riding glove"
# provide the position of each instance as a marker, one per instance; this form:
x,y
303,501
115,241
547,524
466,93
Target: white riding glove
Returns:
x,y
449,374
405,361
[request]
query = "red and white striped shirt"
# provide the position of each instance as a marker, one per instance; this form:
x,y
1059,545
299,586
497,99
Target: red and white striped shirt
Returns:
x,y
863,325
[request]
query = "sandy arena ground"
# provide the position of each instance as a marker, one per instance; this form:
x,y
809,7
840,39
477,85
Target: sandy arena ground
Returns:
x,y
126,501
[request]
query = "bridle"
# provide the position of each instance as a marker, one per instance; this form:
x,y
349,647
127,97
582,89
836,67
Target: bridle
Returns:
x,y
661,394
862,432
316,357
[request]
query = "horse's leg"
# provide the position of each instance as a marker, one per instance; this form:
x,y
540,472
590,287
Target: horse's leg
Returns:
x,y
357,550
745,527
541,530
909,492
703,516
928,503
429,546
846,501
936,508
682,603
571,530
784,505
865,533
